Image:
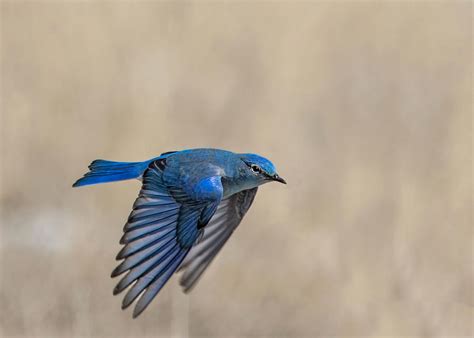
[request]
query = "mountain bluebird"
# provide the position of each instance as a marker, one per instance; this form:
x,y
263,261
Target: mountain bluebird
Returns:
x,y
189,204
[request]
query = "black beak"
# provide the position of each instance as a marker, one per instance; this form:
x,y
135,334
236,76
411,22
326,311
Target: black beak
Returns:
x,y
278,179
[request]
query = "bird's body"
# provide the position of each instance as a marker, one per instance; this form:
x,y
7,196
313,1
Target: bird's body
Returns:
x,y
190,203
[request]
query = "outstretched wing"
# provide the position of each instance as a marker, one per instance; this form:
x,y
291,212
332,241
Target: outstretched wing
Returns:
x,y
228,216
159,233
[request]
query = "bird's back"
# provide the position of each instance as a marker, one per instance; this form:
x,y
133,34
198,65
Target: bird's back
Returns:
x,y
202,162
188,167
201,155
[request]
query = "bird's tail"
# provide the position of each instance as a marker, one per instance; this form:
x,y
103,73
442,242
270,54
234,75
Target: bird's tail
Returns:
x,y
102,171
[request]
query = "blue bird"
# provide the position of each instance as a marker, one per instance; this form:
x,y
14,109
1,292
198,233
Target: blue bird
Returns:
x,y
190,203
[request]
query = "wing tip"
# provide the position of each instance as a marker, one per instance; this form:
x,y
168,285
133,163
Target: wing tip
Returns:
x,y
187,289
116,291
138,311
117,271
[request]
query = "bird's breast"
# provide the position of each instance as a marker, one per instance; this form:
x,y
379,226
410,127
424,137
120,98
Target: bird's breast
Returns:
x,y
233,186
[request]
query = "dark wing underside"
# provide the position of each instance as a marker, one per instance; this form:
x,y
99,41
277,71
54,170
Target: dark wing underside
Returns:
x,y
158,235
227,217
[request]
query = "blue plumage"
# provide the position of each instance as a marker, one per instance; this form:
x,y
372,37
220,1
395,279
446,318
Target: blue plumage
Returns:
x,y
189,204
102,171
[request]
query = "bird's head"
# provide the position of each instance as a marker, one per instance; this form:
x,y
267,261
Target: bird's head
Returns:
x,y
260,170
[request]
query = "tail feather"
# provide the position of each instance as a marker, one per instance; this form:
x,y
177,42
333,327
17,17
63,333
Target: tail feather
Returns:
x,y
103,171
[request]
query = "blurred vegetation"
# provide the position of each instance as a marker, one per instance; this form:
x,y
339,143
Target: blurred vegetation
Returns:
x,y
365,108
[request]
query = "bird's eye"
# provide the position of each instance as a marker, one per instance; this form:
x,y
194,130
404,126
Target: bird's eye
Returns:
x,y
255,168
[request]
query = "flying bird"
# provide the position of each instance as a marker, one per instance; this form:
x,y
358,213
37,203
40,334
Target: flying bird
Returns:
x,y
189,204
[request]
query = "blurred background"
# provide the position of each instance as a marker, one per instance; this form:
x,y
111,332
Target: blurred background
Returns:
x,y
364,107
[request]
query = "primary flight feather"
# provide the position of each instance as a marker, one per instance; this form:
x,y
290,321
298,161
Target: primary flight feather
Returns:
x,y
190,203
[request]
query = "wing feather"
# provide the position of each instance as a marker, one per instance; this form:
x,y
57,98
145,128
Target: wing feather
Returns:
x,y
227,217
158,282
158,235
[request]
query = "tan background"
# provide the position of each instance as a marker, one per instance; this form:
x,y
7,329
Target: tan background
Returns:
x,y
365,108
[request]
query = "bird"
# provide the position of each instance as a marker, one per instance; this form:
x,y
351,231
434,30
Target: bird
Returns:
x,y
190,203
